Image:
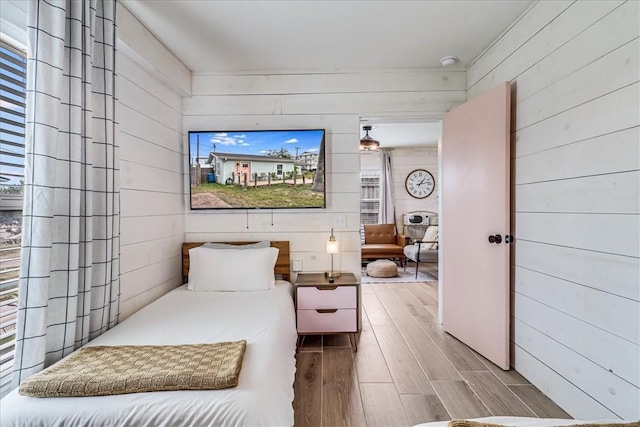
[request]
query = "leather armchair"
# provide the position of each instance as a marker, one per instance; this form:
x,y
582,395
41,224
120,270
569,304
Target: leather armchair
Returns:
x,y
381,241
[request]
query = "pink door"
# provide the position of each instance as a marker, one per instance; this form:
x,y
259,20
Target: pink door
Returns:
x,y
475,206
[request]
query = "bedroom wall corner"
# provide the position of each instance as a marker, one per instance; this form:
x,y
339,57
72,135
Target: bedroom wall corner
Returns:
x,y
333,101
151,83
575,200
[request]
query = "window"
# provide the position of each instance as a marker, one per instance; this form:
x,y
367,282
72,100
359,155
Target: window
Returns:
x,y
279,169
13,72
369,197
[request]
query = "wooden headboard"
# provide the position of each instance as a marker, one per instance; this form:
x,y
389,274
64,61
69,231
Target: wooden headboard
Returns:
x,y
283,263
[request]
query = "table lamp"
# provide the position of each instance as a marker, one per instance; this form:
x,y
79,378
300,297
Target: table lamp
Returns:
x,y
332,248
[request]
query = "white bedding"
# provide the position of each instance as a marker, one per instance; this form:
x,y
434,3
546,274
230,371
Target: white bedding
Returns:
x,y
264,395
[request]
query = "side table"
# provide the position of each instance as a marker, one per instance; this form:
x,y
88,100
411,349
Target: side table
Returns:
x,y
324,308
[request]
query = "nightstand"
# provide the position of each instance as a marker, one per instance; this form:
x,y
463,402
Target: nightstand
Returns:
x,y
324,308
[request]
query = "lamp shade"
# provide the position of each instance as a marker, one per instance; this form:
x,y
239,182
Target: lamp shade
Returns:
x,y
332,245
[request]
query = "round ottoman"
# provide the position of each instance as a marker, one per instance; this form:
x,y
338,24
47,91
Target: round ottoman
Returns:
x,y
382,268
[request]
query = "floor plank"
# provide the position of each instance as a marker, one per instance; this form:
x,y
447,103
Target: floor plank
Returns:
x,y
423,408
496,396
337,340
370,364
393,305
510,377
341,403
459,400
459,354
411,303
433,362
308,389
540,404
374,309
418,291
365,289
405,370
311,343
382,406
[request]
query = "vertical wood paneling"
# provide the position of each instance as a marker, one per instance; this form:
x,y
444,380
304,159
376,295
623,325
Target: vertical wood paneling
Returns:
x,y
333,101
576,200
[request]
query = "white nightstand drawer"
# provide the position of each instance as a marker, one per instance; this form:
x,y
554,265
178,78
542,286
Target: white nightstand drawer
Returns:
x,y
327,321
311,297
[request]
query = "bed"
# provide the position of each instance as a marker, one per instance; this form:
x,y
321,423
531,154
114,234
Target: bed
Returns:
x,y
263,396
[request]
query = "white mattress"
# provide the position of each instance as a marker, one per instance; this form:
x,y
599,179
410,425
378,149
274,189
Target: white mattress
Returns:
x,y
264,395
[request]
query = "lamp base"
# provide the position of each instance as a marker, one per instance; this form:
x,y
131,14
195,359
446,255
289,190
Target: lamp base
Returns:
x,y
332,273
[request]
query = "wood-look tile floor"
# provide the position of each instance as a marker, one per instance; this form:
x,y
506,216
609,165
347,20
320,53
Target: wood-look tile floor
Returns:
x,y
406,371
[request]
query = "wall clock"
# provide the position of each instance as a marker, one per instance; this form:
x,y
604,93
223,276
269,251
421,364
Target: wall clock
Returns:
x,y
419,184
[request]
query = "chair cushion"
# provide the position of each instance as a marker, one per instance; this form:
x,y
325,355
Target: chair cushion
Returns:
x,y
382,268
431,235
381,249
380,233
427,255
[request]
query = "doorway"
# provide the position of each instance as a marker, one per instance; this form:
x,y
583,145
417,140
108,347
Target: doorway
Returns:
x,y
412,144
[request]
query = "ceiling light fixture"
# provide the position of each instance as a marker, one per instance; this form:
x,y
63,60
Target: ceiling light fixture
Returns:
x,y
367,143
448,60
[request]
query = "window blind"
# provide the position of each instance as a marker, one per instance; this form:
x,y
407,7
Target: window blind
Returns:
x,y
13,73
369,197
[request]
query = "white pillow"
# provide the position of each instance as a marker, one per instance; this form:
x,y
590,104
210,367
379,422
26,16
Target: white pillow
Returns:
x,y
231,269
256,245
430,235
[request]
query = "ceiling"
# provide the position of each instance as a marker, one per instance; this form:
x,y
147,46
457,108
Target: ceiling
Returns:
x,y
239,36
321,35
404,134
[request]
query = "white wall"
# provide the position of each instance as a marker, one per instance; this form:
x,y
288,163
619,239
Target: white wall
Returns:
x,y
403,161
151,166
575,206
334,101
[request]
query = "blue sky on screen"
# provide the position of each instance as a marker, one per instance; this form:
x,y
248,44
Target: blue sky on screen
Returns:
x,y
256,142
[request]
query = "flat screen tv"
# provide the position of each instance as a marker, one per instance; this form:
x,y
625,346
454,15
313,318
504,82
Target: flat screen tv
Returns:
x,y
264,169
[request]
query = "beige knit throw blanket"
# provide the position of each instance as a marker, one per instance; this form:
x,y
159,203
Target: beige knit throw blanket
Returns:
x,y
106,370
468,423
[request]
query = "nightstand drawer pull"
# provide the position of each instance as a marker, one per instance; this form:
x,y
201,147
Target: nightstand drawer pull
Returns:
x,y
327,310
326,288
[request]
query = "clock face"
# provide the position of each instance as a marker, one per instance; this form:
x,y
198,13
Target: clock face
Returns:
x,y
419,184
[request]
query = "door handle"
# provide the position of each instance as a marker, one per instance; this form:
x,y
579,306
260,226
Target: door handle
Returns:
x,y
495,239
509,238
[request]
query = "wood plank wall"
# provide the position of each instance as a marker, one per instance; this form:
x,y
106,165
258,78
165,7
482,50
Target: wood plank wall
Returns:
x,y
150,138
334,101
403,161
576,274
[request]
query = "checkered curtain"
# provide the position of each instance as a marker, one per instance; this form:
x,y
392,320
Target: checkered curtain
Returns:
x,y
69,277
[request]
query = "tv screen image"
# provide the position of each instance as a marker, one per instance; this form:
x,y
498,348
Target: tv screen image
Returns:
x,y
263,169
